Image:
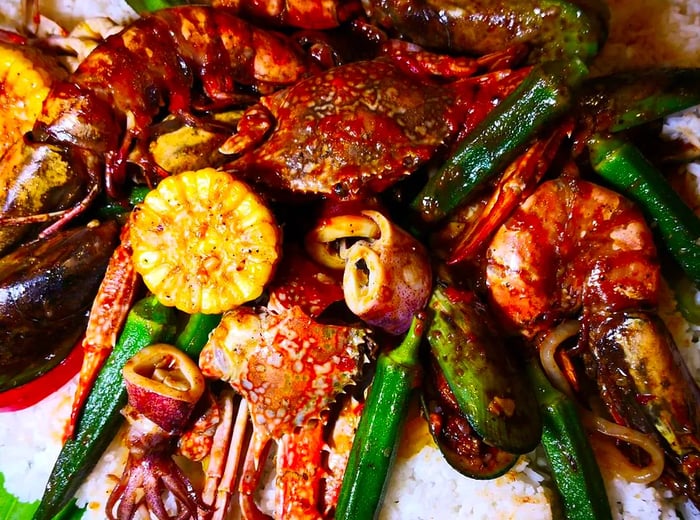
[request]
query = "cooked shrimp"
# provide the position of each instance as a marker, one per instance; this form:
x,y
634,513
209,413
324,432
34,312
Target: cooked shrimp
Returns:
x,y
572,245
572,248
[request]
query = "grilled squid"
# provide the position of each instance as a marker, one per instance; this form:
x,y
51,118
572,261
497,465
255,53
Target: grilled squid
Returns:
x,y
163,385
387,276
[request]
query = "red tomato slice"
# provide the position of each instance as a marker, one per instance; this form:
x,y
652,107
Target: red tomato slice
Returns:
x,y
30,393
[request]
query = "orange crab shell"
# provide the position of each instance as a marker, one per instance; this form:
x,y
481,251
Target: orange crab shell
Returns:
x,y
288,367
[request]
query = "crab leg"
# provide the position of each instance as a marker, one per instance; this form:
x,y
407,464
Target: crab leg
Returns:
x,y
107,316
230,473
219,448
339,446
258,449
299,472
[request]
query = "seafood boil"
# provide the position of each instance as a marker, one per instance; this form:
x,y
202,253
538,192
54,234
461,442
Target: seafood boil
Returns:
x,y
311,229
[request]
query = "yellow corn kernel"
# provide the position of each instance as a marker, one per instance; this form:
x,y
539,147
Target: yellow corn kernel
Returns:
x,y
203,241
26,74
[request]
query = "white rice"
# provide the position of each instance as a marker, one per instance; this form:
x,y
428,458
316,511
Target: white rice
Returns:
x,y
423,485
649,33
69,12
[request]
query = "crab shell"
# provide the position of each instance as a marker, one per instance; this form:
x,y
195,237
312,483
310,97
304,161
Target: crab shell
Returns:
x,y
287,366
354,129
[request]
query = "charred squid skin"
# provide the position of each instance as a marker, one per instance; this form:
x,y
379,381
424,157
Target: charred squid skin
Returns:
x,y
46,289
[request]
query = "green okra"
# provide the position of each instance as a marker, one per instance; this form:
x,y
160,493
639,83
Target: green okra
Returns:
x,y
481,373
623,165
542,98
374,448
574,468
148,322
196,333
624,100
685,292
147,6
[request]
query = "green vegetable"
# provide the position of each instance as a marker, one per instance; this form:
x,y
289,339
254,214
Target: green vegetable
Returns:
x,y
685,292
574,468
483,376
466,452
12,508
118,209
374,448
624,100
623,165
196,333
147,6
148,322
543,96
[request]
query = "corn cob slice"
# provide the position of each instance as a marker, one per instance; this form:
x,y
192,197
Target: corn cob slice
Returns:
x,y
26,74
203,241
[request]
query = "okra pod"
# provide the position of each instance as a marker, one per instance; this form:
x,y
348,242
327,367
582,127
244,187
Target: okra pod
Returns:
x,y
374,448
488,385
685,292
543,96
574,468
196,333
624,100
623,165
148,322
147,6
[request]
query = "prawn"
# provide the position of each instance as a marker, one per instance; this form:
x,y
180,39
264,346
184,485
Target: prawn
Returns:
x,y
200,58
575,248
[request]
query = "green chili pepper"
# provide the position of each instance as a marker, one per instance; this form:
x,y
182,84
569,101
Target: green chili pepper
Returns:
x,y
623,165
148,322
574,468
374,448
624,100
196,333
543,96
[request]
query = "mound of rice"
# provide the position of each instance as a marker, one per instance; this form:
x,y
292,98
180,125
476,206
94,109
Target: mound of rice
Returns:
x,y
423,485
646,33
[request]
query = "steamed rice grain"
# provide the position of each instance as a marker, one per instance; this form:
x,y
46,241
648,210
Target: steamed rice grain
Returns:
x,y
422,485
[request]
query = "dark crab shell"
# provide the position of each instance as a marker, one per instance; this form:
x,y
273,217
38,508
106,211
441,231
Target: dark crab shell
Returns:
x,y
357,128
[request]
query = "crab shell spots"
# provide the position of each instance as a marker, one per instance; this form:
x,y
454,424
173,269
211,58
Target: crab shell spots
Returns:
x,y
288,367
356,128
